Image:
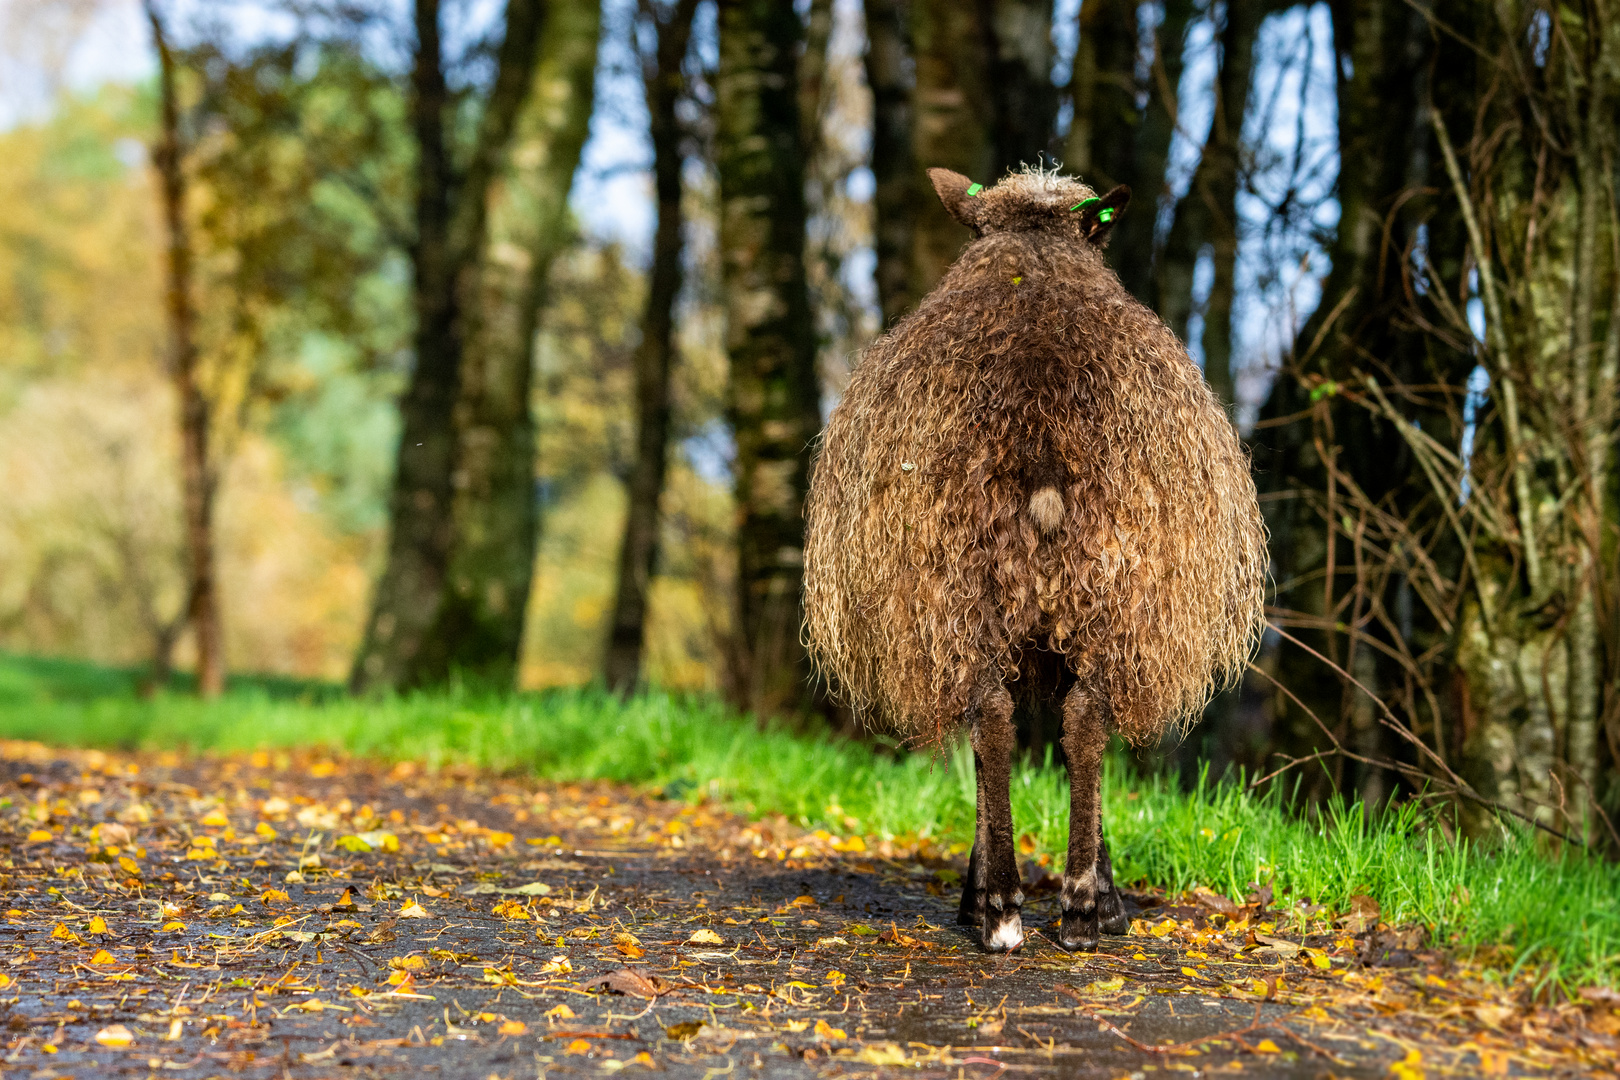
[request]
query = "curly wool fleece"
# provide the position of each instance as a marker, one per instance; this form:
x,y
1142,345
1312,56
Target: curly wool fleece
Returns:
x,y
1030,462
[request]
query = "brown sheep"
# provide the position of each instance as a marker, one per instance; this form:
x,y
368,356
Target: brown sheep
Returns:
x,y
1029,488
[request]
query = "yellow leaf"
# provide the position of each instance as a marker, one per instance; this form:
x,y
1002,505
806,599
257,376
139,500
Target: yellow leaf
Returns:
x,y
129,866
266,830
645,1060
705,937
380,840
1106,986
62,933
270,896
322,769
1409,1069
117,1036
408,963
98,925
1189,972
559,1012
1322,962
632,951
1266,1046
499,839
5,980
578,1046
353,844
827,1031
103,958
413,910
557,965
174,925
40,836
401,978
513,1027
216,819
1162,928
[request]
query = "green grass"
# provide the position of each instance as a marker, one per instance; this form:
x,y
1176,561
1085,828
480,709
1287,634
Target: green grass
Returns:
x,y
1559,913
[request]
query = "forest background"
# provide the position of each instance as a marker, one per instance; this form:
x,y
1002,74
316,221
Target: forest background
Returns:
x,y
486,342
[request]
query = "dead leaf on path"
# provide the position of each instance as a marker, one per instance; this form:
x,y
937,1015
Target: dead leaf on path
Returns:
x,y
827,1031
1363,916
1215,902
1283,948
684,1031
705,937
413,910
894,936
629,982
116,1036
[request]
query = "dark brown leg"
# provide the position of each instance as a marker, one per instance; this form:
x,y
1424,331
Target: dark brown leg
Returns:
x,y
1110,905
971,913
1091,904
1000,897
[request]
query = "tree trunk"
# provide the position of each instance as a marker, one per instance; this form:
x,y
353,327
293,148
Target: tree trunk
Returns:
x,y
450,213
1131,251
773,394
197,478
1208,213
1099,148
984,103
478,631
894,167
638,552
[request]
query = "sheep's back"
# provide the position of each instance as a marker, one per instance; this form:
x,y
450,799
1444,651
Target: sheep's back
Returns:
x,y
923,567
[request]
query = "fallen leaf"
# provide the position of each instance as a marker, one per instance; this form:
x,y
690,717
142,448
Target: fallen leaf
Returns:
x,y
1363,916
683,1031
39,836
645,1060
705,937
627,981
559,1012
578,1046
513,1027
827,1031
103,958
1266,1046
116,1036
413,910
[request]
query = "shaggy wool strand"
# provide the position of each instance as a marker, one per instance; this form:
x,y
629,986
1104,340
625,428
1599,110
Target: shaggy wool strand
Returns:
x,y
1029,462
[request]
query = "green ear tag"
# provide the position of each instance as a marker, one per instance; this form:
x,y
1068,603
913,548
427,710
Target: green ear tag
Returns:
x,y
1106,214
1086,203
974,189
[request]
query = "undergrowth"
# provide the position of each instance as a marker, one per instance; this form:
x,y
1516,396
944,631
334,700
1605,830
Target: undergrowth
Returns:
x,y
1558,912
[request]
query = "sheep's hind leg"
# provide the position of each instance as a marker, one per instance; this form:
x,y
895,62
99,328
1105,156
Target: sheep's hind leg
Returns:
x,y
971,912
1091,904
993,866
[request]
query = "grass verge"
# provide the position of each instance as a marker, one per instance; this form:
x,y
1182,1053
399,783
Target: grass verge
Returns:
x,y
1559,913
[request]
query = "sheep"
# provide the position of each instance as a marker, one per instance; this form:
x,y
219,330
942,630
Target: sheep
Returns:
x,y
1028,489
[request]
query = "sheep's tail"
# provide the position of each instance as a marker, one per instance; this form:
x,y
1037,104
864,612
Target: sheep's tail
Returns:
x,y
1046,509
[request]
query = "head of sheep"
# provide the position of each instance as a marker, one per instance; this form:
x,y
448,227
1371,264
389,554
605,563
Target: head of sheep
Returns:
x,y
1028,489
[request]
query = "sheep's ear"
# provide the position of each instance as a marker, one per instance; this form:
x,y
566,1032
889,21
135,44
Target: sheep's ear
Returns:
x,y
956,192
1098,215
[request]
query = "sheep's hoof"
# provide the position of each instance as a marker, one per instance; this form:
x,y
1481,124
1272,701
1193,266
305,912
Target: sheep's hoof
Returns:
x,y
1078,931
1111,915
1003,932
